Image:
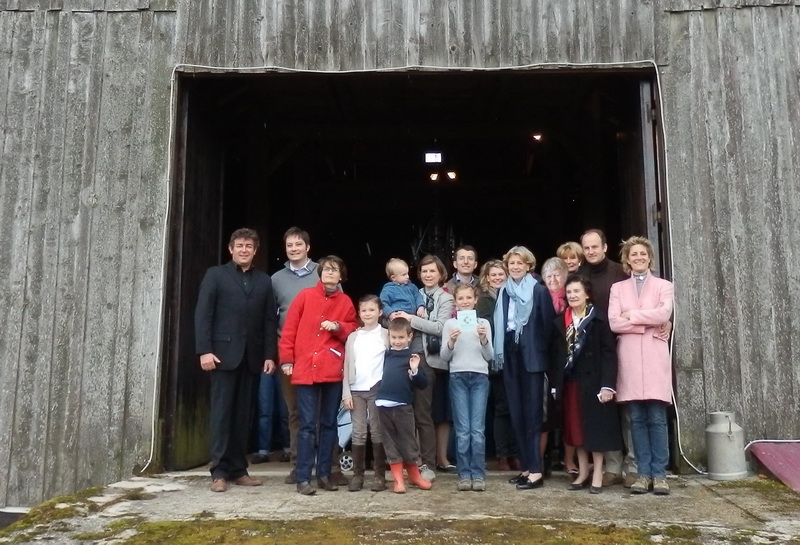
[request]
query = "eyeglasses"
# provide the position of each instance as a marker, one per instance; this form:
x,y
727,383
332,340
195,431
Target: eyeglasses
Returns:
x,y
330,269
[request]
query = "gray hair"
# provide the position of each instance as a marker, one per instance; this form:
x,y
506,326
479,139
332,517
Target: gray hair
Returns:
x,y
554,263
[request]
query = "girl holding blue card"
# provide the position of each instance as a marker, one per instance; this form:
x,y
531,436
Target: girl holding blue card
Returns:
x,y
468,349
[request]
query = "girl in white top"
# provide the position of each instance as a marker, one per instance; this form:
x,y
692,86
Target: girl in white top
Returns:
x,y
363,370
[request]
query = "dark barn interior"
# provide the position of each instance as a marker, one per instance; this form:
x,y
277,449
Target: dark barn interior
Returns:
x,y
539,156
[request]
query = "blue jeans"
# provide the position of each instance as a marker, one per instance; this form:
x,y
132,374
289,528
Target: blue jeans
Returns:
x,y
270,402
317,404
469,393
650,439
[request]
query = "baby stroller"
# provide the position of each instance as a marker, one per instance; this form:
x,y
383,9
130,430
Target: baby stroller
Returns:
x,y
345,425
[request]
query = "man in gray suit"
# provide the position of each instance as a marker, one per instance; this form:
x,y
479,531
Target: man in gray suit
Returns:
x,y
236,339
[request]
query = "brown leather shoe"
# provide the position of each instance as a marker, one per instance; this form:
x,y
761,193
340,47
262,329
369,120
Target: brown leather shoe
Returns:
x,y
610,479
338,478
247,480
291,478
219,485
502,465
630,478
325,483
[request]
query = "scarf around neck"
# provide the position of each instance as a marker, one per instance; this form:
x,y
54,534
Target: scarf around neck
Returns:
x,y
522,294
576,336
559,300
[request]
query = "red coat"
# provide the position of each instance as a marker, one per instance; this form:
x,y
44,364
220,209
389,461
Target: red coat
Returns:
x,y
645,368
317,354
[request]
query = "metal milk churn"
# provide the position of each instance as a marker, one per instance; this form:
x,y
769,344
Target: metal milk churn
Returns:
x,y
725,447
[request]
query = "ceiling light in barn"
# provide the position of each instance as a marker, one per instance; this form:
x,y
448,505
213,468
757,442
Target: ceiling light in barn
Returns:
x,y
537,136
433,157
451,174
434,176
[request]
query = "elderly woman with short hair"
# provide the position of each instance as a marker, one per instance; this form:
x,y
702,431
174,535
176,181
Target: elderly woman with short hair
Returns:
x,y
555,272
637,309
523,324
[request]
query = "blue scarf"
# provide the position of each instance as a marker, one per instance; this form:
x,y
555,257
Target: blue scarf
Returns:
x,y
522,294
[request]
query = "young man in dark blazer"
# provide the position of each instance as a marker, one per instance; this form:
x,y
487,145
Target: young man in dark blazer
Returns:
x,y
236,339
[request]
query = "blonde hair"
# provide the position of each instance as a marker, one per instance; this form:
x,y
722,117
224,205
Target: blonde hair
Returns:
x,y
625,251
391,266
484,277
570,248
526,255
463,286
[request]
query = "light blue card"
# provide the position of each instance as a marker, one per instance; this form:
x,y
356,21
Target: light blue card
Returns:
x,y
467,320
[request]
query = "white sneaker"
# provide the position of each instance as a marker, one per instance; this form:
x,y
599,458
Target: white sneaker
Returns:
x,y
427,473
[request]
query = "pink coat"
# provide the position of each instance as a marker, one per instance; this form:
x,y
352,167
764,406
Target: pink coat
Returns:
x,y
645,368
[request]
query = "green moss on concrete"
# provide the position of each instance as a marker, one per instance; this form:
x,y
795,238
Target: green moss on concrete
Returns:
x,y
386,532
59,508
681,532
785,500
114,528
50,516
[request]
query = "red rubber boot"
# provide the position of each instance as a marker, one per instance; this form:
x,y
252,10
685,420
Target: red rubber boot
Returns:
x,y
397,473
415,478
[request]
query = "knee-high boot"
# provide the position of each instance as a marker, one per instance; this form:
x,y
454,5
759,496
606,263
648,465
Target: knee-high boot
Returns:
x,y
379,467
357,482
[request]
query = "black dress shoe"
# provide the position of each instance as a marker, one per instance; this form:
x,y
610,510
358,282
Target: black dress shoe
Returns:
x,y
595,489
519,479
583,484
325,483
530,485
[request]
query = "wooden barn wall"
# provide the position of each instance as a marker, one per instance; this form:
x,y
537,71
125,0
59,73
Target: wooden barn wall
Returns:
x,y
730,102
84,105
84,98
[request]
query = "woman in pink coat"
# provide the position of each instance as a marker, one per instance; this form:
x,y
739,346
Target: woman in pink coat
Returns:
x,y
636,310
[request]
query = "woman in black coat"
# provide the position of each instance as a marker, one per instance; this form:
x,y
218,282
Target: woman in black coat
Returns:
x,y
585,374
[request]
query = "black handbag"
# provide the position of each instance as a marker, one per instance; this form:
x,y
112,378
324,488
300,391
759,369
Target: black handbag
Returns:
x,y
434,345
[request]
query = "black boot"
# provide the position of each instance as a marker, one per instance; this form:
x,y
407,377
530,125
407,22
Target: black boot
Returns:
x,y
379,467
357,482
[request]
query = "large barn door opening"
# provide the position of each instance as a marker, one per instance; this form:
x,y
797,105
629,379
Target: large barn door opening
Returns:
x,y
198,241
638,175
538,157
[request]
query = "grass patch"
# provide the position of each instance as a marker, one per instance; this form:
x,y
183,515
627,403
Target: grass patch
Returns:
x,y
387,532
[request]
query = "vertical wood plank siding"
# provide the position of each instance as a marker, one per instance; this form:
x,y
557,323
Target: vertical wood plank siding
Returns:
x,y
84,101
84,113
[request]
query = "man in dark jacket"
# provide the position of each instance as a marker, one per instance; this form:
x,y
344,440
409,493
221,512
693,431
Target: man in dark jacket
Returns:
x,y
235,337
602,273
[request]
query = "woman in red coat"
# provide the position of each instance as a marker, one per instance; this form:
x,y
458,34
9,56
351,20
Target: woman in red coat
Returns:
x,y
637,309
312,352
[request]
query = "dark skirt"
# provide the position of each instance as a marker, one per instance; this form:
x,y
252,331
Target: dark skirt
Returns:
x,y
573,418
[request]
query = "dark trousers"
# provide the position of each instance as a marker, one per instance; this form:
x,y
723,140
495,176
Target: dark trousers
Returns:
x,y
397,428
525,392
504,442
423,414
231,411
317,406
